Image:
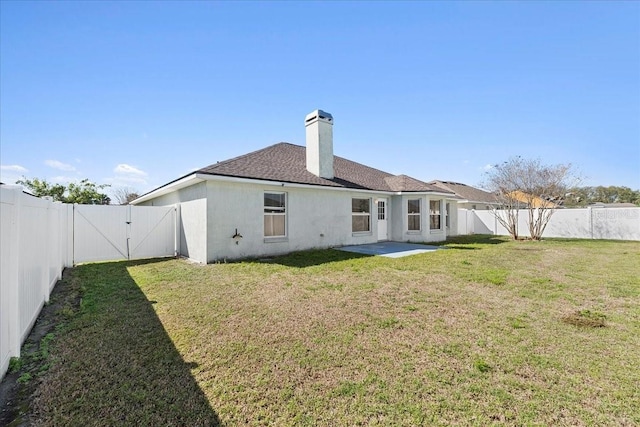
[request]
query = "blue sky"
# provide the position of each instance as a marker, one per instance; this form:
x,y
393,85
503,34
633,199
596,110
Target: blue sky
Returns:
x,y
140,93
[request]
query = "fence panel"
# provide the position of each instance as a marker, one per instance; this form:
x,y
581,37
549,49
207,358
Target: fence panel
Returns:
x,y
110,233
463,228
570,223
34,260
9,328
40,238
587,223
100,233
34,252
615,223
152,231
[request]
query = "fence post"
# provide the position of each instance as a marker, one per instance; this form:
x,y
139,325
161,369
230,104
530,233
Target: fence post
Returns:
x,y
69,238
13,294
73,234
177,236
15,279
44,281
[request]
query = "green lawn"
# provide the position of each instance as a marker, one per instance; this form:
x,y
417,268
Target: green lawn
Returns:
x,y
487,332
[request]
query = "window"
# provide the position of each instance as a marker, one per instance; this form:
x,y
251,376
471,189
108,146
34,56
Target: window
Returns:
x,y
447,213
434,215
275,214
382,212
413,215
360,215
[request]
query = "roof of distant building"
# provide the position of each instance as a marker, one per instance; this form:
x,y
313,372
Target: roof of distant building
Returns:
x,y
466,192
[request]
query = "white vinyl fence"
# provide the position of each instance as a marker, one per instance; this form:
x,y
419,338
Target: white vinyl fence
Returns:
x,y
39,238
123,232
35,249
587,223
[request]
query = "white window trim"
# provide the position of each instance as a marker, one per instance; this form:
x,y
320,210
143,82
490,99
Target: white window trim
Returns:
x,y
419,214
366,232
279,238
436,230
447,215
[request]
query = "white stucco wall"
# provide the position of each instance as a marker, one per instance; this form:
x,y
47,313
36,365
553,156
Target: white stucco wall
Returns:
x,y
316,218
192,219
211,211
396,223
319,138
403,234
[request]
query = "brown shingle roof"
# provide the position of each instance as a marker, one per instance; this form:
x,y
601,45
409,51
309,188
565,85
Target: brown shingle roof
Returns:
x,y
286,162
466,192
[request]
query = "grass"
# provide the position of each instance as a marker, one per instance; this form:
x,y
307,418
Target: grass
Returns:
x,y
475,335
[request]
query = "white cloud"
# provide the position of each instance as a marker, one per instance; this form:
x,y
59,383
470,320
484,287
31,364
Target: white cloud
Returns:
x,y
125,169
487,167
9,174
127,175
56,164
13,168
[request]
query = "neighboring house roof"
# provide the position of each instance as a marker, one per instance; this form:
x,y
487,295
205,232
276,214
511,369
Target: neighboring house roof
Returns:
x,y
612,205
286,162
466,192
535,201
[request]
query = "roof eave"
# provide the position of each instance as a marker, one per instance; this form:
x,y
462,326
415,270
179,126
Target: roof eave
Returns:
x,y
197,177
178,184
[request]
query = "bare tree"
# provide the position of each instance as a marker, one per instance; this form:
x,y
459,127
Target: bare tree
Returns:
x,y
124,195
528,184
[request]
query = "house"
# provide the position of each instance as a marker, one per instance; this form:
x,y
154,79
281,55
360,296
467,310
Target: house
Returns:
x,y
469,197
611,205
286,197
530,200
464,197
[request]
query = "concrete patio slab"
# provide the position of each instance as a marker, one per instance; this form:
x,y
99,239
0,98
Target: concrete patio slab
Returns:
x,y
390,249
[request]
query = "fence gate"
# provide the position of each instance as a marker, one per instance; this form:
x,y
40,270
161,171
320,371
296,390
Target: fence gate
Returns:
x,y
105,233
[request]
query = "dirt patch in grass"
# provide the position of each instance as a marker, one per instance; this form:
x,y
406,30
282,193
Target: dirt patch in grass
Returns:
x,y
586,318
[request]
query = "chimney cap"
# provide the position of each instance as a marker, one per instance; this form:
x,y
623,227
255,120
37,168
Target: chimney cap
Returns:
x,y
318,114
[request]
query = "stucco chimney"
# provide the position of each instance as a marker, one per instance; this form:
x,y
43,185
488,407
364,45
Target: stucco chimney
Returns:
x,y
320,143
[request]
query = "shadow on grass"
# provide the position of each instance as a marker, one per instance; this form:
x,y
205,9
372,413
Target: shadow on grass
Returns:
x,y
467,242
114,363
314,257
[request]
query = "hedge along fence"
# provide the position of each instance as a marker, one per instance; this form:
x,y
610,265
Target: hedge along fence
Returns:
x,y
587,223
36,246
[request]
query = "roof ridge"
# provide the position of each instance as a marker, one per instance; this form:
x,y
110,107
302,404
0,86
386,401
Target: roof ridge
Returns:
x,y
442,182
286,162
